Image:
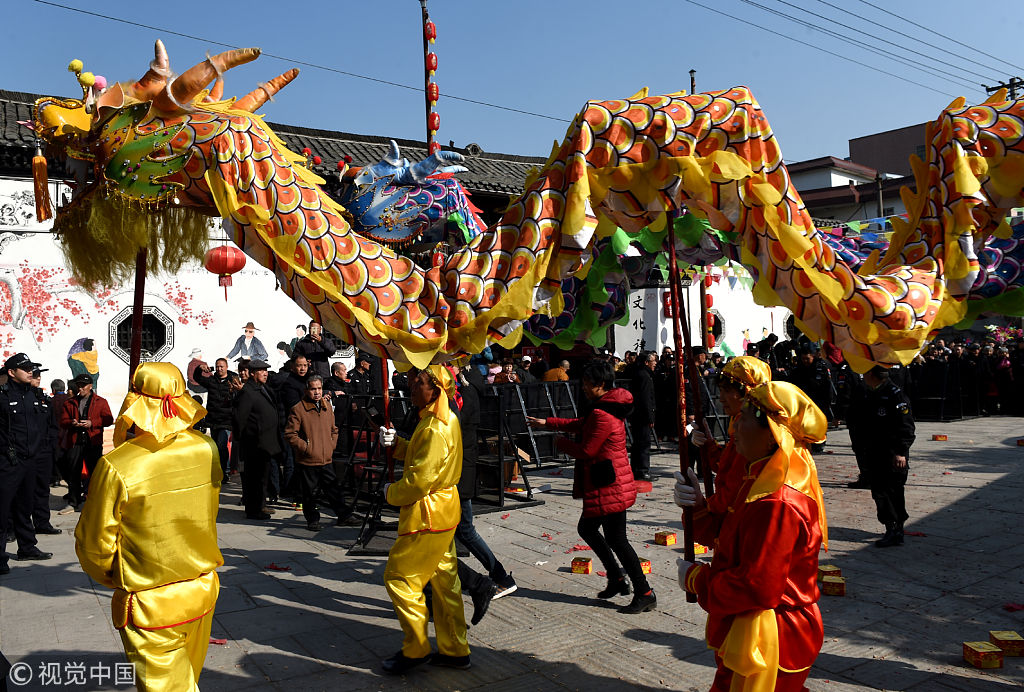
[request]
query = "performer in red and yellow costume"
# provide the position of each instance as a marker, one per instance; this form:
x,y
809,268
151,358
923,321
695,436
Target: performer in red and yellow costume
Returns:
x,y
148,530
760,590
430,510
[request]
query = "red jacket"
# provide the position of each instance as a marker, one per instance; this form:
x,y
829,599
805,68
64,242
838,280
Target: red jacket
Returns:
x,y
603,436
766,557
98,414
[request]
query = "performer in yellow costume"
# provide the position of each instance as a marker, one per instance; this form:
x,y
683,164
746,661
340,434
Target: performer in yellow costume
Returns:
x,y
148,530
430,511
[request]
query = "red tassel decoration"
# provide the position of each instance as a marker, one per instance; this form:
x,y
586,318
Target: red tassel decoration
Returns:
x,y
41,183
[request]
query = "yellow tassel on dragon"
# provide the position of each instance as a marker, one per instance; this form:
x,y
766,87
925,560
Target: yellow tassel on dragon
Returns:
x,y
168,151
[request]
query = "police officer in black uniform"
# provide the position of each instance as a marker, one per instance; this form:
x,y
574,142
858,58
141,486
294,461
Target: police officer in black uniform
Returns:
x,y
25,421
44,470
812,375
884,431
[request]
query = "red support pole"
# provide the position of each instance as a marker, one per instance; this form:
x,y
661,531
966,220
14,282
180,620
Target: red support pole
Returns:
x,y
135,352
388,451
698,405
684,451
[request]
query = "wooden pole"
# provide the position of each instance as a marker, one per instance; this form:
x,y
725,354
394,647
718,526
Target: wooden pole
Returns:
x,y
698,405
684,451
135,352
426,72
388,451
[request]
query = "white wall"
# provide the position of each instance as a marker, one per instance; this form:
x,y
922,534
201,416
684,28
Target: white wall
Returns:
x,y
48,314
730,300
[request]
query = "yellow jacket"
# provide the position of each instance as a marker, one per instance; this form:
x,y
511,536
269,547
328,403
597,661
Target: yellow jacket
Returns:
x,y
427,492
149,529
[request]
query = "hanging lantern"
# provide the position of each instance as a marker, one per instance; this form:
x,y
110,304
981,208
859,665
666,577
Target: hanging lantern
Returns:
x,y
708,281
433,92
430,31
434,121
709,302
434,148
432,63
224,261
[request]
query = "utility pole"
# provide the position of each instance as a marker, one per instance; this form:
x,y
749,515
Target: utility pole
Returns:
x,y
1011,87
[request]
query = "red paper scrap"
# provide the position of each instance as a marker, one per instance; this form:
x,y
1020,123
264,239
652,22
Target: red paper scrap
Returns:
x,y
546,535
1013,607
602,573
506,515
947,473
214,640
577,547
558,472
279,568
915,533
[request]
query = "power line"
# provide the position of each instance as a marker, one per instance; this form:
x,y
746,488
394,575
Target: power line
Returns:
x,y
891,43
919,40
820,49
940,35
304,63
909,62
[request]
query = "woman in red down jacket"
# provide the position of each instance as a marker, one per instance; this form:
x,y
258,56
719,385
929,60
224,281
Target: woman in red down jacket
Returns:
x,y
607,489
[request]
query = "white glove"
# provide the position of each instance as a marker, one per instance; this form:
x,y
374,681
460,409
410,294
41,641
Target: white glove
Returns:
x,y
698,438
686,491
387,436
684,567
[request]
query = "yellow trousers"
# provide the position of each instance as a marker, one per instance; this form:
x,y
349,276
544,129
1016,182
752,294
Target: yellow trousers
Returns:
x,y
168,659
413,561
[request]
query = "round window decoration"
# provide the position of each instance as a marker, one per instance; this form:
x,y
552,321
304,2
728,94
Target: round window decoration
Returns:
x,y
157,334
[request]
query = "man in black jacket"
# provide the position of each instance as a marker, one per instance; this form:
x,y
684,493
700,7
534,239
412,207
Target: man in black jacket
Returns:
x,y
884,430
641,422
317,348
218,407
256,427
25,422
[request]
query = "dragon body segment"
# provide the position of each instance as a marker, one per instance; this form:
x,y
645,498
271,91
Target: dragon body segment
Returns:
x,y
622,165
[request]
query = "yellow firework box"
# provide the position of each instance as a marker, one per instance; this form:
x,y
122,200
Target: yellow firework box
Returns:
x,y
833,586
940,438
828,571
699,549
1011,643
665,538
983,655
645,565
582,565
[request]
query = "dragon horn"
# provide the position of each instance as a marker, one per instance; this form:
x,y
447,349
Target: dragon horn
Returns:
x,y
257,97
155,78
217,93
193,80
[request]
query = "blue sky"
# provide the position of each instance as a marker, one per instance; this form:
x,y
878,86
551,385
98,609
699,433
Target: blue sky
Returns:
x,y
542,56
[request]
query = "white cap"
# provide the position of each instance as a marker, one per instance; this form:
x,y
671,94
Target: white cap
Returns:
x,y
196,352
528,359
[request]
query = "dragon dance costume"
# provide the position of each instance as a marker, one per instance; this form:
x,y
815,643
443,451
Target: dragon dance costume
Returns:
x,y
760,590
430,511
148,530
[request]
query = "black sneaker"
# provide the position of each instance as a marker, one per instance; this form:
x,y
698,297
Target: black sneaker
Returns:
x,y
457,662
400,663
506,585
641,603
859,484
315,526
48,531
262,516
34,554
616,587
481,600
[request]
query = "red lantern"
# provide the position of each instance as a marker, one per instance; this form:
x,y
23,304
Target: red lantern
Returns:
x,y
708,281
433,92
430,30
434,121
432,62
434,148
317,160
711,340
224,261
709,302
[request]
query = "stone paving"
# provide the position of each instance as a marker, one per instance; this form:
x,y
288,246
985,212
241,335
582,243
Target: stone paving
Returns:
x,y
325,623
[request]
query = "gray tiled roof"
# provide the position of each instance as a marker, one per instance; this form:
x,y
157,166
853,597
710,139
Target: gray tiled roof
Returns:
x,y
488,173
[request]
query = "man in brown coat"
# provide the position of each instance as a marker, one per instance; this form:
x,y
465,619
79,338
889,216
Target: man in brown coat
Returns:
x,y
313,435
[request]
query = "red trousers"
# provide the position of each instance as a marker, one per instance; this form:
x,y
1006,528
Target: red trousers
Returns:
x,y
785,682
